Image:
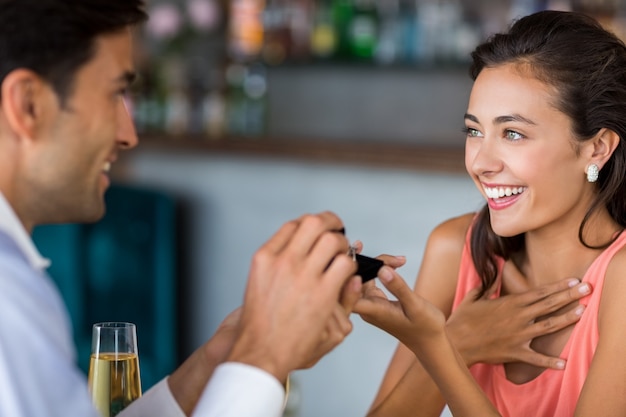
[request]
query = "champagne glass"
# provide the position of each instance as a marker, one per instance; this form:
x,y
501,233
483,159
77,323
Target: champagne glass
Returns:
x,y
114,380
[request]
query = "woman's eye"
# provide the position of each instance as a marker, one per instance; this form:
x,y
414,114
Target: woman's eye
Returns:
x,y
513,135
471,132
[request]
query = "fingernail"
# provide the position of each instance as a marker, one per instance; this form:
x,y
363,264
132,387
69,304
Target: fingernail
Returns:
x,y
573,282
401,258
560,365
584,289
579,310
385,274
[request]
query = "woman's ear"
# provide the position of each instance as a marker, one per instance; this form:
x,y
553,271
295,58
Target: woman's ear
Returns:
x,y
602,146
22,100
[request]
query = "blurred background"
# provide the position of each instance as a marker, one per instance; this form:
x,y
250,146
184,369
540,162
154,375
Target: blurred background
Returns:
x,y
252,112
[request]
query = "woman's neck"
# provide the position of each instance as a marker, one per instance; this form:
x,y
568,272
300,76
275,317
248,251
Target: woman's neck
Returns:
x,y
552,255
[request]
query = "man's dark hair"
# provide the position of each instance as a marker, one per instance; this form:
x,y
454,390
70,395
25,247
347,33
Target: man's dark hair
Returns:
x,y
54,38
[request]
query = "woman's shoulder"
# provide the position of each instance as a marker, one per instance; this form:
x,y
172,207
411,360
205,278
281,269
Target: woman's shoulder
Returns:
x,y
614,286
438,275
452,232
446,241
617,262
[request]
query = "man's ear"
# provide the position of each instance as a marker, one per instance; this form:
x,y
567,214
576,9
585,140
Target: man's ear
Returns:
x,y
22,100
602,146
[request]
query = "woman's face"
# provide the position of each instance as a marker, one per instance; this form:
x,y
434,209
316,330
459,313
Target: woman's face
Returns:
x,y
521,154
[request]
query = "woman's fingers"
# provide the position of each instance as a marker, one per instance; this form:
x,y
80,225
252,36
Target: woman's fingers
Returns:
x,y
392,261
409,318
535,358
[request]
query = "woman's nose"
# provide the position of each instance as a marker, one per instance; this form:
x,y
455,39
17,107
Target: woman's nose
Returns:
x,y
481,156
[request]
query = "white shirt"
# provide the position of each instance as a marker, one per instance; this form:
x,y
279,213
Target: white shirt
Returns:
x,y
239,390
38,374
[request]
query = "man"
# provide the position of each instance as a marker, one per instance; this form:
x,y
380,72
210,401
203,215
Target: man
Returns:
x,y
65,66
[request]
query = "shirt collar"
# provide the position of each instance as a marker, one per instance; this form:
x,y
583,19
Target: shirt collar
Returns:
x,y
11,225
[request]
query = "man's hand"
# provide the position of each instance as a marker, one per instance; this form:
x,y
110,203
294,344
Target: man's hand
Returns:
x,y
339,324
289,316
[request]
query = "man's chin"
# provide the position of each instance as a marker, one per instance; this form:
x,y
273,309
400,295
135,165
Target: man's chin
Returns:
x,y
91,214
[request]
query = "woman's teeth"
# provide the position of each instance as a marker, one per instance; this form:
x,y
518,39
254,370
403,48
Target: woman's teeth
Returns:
x,y
499,192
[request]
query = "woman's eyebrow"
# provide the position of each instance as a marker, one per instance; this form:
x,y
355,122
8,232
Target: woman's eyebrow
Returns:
x,y
503,119
513,118
470,117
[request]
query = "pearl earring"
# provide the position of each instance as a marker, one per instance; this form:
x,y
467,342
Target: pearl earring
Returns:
x,y
592,173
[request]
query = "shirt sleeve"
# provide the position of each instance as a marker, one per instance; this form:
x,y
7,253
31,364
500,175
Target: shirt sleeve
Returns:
x,y
157,401
240,390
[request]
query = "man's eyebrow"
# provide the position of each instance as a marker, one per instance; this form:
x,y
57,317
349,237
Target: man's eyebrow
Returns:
x,y
128,77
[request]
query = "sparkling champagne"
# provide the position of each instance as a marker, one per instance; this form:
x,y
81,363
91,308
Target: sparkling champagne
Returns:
x,y
114,381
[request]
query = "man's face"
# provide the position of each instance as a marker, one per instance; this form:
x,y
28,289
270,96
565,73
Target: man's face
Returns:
x,y
68,172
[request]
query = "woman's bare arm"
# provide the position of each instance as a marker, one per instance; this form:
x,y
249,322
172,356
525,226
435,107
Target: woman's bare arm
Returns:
x,y
603,393
406,386
421,326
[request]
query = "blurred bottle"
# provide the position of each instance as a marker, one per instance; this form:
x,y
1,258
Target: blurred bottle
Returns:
x,y
176,105
246,100
255,91
324,37
342,14
389,44
245,29
277,38
148,102
363,30
288,25
301,25
214,104
409,31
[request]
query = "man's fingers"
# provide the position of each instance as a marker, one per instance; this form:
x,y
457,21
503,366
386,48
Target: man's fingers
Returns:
x,y
336,275
302,232
342,324
337,328
279,240
350,293
326,251
310,228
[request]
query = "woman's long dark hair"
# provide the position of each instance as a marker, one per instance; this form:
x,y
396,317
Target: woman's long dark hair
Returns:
x,y
587,66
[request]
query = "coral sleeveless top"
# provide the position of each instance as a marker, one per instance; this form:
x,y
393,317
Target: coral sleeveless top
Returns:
x,y
554,393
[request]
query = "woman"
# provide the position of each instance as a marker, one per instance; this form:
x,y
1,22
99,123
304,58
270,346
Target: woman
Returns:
x,y
545,125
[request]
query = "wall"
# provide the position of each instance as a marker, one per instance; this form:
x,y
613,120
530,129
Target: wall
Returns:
x,y
401,105
235,203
